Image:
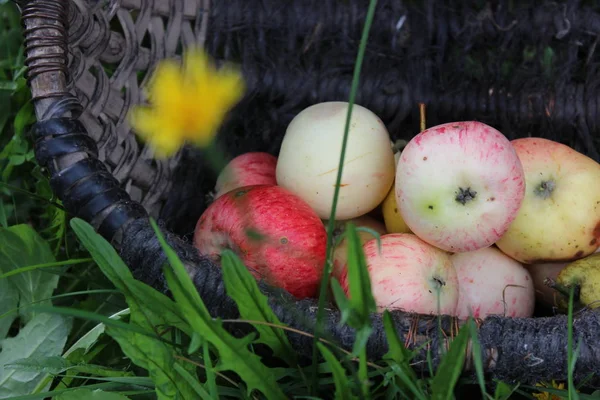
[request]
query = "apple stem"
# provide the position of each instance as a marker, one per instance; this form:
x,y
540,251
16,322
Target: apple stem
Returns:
x,y
422,118
565,290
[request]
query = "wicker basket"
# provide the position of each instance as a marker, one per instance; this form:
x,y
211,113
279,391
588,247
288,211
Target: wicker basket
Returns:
x,y
88,59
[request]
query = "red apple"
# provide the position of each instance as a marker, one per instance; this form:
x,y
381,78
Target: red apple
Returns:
x,y
490,282
253,168
275,233
409,274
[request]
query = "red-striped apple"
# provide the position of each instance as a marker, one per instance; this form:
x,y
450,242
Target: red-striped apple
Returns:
x,y
490,282
275,233
252,168
409,274
340,253
459,185
559,220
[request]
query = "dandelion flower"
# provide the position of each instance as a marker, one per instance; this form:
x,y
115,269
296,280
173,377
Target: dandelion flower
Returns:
x,y
187,103
546,395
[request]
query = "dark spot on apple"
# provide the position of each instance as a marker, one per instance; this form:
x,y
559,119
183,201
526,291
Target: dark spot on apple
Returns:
x,y
396,209
240,193
283,240
430,207
579,254
456,126
596,232
463,196
492,199
424,158
253,234
593,241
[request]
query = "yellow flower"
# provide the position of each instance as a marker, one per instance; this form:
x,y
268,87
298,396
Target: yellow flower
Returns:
x,y
187,102
546,395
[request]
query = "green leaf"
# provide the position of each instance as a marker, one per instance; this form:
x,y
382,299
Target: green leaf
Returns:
x,y
3,215
450,367
503,391
342,384
253,305
400,356
157,358
44,336
193,382
157,308
22,246
211,379
9,300
477,356
55,365
359,281
90,394
234,354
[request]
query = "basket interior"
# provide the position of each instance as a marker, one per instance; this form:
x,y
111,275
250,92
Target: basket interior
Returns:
x,y
526,68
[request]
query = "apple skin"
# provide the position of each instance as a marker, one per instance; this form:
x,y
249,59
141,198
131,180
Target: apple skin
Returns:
x,y
252,168
340,253
483,276
459,185
407,274
290,255
561,222
310,153
544,294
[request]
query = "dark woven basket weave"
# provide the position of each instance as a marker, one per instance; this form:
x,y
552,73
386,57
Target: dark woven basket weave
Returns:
x,y
87,61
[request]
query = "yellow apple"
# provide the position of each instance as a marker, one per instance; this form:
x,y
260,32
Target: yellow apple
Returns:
x,y
559,218
394,223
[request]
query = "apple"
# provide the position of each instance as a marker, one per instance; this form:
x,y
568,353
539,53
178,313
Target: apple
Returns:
x,y
539,273
459,185
252,168
559,220
544,294
275,233
394,223
310,153
492,283
340,253
409,274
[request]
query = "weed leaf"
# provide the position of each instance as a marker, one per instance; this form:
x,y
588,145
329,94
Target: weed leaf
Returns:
x,y
140,296
252,304
89,394
22,246
9,300
234,354
44,335
342,387
450,367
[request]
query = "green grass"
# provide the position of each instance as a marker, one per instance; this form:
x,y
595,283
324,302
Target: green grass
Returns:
x,y
78,325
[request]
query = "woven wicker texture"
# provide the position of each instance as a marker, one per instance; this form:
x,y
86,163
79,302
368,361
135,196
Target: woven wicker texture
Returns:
x,y
89,59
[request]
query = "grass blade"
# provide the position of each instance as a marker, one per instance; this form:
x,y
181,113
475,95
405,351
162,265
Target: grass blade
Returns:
x,y
450,367
331,224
